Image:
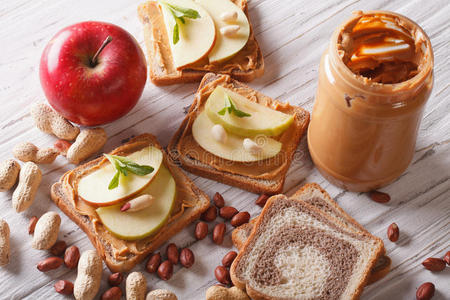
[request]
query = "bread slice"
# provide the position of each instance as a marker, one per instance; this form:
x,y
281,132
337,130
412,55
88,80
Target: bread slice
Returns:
x,y
120,255
297,251
245,66
320,199
266,176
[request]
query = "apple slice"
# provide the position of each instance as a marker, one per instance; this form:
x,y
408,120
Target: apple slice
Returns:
x,y
232,148
139,224
197,36
226,46
263,120
93,188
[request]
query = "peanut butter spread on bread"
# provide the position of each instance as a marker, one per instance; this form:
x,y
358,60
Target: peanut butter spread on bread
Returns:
x,y
245,60
263,169
121,249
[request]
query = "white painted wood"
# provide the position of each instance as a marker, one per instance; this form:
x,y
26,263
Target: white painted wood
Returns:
x,y
292,35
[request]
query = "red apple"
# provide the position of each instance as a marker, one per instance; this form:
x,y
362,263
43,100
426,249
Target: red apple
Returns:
x,y
91,89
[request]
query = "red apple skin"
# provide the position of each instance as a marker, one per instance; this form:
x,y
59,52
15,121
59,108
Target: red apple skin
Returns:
x,y
92,95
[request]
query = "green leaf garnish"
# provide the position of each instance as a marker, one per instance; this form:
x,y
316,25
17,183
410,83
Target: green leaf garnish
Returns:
x,y
179,13
231,109
114,181
124,165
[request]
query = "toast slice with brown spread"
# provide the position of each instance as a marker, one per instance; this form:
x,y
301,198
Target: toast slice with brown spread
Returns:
x,y
296,251
122,255
264,176
245,66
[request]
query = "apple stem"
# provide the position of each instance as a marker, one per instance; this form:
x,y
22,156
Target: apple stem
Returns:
x,y
105,42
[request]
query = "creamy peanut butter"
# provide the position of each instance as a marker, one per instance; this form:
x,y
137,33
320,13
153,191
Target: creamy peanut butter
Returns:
x,y
374,80
380,47
244,60
264,169
126,248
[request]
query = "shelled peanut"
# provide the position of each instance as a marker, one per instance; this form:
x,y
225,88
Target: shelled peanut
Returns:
x,y
89,276
88,142
49,121
29,152
9,172
29,179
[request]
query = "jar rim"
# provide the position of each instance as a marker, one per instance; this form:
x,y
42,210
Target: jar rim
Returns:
x,y
359,81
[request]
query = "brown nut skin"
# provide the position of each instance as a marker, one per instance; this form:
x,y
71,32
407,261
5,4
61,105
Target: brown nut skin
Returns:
x,y
64,287
114,293
393,232
218,200
425,291
49,263
434,264
153,263
447,258
228,212
172,253
187,258
262,199
165,270
379,197
71,257
228,259
222,275
115,279
219,233
201,230
58,248
210,214
32,224
240,218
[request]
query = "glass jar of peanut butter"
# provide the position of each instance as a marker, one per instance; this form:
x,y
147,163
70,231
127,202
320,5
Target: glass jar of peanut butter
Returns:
x,y
374,80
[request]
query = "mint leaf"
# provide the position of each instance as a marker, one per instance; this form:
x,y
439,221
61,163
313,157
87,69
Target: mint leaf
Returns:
x,y
231,109
179,13
176,34
114,181
184,12
124,165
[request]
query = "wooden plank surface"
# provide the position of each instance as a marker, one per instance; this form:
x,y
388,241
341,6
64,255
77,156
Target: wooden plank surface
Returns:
x,y
292,35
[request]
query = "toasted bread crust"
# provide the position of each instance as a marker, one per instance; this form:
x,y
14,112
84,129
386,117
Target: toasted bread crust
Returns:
x,y
189,215
250,184
193,75
254,294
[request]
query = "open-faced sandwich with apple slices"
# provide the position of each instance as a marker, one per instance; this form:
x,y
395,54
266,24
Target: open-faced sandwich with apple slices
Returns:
x,y
186,39
238,136
130,201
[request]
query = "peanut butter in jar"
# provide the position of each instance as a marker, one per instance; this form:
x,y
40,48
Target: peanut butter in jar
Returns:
x,y
374,80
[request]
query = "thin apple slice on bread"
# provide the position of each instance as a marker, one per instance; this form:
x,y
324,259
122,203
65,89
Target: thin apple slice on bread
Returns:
x,y
261,119
145,222
192,39
232,149
93,188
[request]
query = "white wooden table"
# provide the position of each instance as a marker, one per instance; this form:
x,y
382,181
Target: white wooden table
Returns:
x,y
292,35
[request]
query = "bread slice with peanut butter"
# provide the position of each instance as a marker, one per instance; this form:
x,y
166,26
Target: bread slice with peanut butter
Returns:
x,y
261,176
121,255
296,251
245,65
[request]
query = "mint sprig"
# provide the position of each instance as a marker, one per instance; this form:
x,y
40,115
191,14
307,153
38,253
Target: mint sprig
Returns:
x,y
179,13
231,109
124,165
